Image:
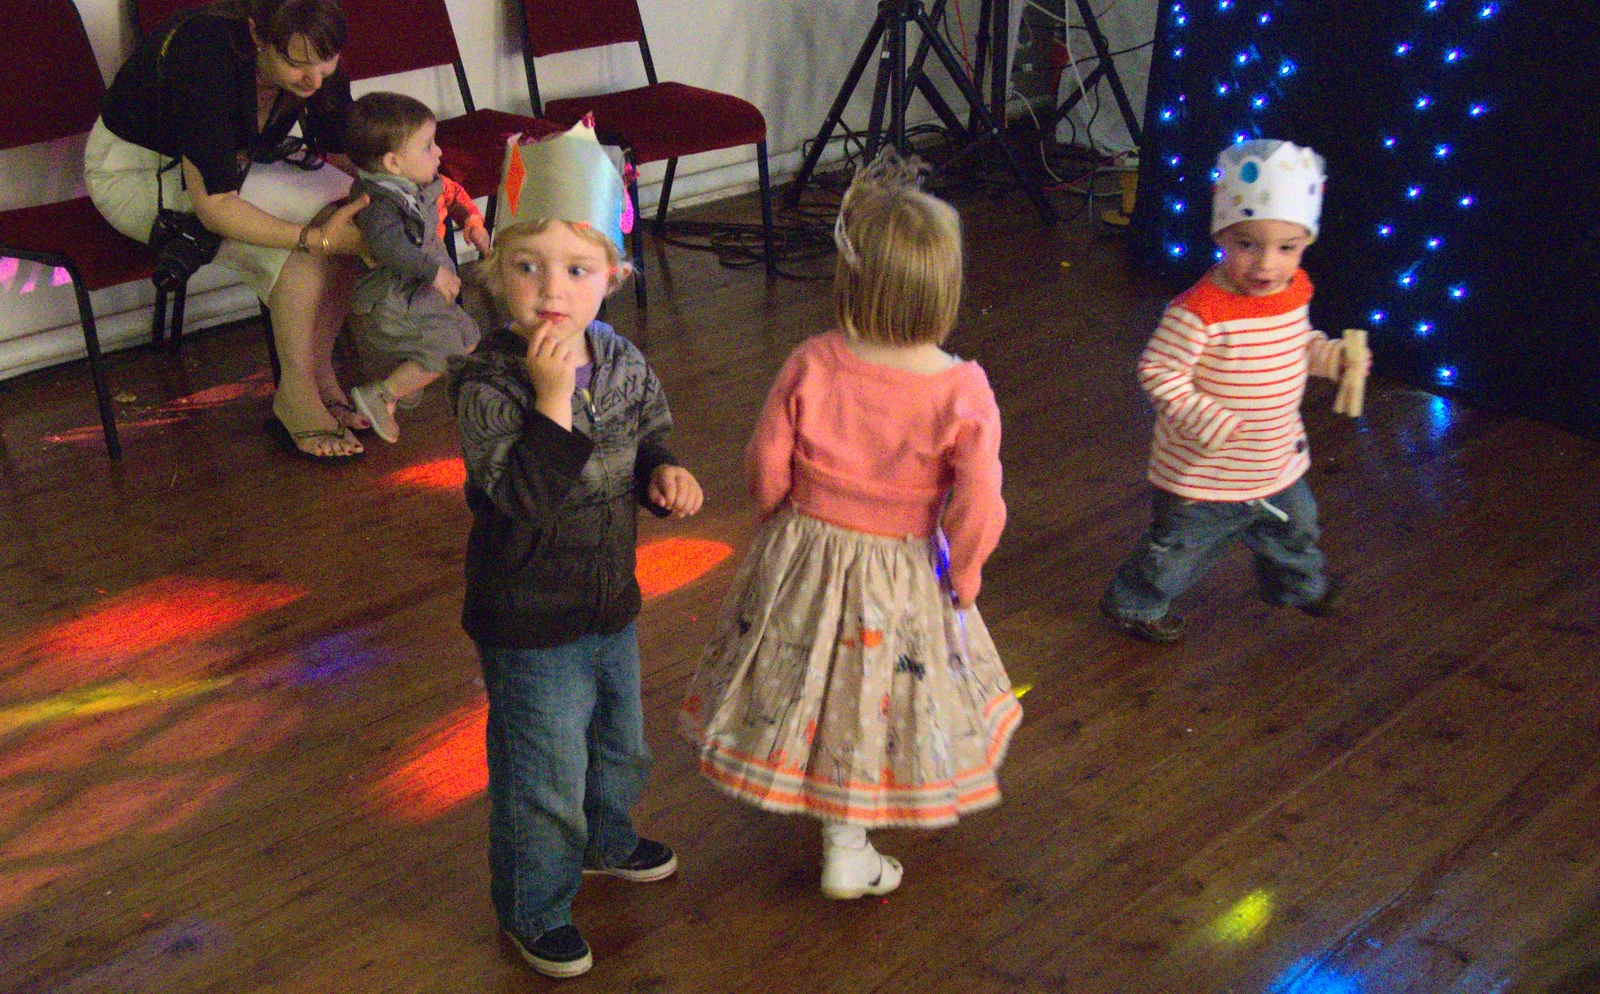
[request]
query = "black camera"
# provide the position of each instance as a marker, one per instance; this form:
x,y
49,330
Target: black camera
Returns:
x,y
182,246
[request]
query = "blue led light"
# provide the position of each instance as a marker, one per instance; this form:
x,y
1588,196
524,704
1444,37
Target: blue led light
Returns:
x,y
1265,18
1181,20
1413,192
1467,200
1446,374
1258,101
1424,102
1167,113
1216,174
1458,291
1174,161
1242,58
1224,4
1223,89
1440,151
1406,279
1183,98
1452,55
1434,244
1177,53
1488,10
1178,207
1432,5
1424,328
1385,230
1176,250
1390,141
1403,49
1477,110
1377,317
1287,68
1217,254
1239,137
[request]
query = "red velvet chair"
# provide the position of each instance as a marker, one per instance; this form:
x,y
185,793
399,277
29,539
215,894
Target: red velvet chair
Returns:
x,y
40,106
652,123
395,36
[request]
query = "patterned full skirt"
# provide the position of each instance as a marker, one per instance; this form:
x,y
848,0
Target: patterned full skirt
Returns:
x,y
842,683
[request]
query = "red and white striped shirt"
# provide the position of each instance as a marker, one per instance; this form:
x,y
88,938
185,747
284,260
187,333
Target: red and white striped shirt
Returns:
x,y
1226,373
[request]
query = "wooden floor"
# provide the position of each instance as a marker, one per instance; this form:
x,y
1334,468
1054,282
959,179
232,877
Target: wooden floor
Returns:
x,y
240,727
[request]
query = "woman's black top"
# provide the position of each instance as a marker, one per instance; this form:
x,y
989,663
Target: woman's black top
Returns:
x,y
209,116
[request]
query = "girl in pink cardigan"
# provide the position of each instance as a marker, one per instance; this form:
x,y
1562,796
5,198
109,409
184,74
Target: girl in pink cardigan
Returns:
x,y
851,678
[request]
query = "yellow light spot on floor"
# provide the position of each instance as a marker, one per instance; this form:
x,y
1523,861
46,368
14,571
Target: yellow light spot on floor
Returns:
x,y
1245,920
103,699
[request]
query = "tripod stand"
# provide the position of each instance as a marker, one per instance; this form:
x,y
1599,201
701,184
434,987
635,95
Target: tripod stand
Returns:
x,y
1104,66
896,82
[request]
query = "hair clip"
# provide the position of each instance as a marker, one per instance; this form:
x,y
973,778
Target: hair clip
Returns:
x,y
841,240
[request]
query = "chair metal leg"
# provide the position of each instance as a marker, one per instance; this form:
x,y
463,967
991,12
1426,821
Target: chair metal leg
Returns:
x,y
666,194
488,212
158,318
766,208
97,364
272,345
638,248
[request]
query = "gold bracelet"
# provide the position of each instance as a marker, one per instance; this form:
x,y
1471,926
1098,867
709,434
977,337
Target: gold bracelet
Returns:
x,y
326,250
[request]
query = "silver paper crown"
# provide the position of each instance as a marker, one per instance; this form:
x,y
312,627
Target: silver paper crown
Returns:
x,y
567,177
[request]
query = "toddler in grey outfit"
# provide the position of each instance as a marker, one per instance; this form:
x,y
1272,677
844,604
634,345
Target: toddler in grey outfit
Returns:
x,y
404,310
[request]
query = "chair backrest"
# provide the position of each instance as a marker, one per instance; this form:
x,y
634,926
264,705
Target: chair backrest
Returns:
x,y
568,25
148,14
50,84
394,36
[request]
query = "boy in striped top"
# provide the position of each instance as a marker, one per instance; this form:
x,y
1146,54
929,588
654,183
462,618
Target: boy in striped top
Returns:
x,y
1226,370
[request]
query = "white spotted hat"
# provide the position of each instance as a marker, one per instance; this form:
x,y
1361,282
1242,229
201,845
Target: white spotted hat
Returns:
x,y
1267,180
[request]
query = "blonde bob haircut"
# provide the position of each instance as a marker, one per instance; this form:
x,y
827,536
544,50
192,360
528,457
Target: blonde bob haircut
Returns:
x,y
898,279
505,237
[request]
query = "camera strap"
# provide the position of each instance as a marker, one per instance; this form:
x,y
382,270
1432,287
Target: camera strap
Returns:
x,y
163,97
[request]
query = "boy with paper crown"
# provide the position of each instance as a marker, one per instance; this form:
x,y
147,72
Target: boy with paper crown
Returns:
x,y
1226,370
564,432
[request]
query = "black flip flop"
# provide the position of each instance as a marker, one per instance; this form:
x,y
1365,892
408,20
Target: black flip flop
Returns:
x,y
280,433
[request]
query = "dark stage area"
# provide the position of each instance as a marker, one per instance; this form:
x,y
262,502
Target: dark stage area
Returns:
x,y
241,731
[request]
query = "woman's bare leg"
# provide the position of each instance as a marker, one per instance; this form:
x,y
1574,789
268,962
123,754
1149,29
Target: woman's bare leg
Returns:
x,y
330,321
307,292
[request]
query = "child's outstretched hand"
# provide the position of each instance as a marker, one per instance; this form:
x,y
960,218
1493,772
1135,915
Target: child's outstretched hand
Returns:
x,y
478,238
676,489
447,283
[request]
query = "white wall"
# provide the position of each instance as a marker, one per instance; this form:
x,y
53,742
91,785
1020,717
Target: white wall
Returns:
x,y
788,57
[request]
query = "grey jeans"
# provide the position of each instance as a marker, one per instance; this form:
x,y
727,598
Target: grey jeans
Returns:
x,y
1186,536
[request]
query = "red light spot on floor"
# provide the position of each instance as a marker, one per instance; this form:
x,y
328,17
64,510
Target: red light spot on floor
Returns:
x,y
447,768
667,564
441,474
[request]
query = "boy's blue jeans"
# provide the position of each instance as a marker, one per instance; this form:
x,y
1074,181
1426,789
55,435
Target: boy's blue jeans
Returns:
x,y
1186,536
567,761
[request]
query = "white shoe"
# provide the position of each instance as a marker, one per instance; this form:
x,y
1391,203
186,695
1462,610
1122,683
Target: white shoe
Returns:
x,y
851,873
372,400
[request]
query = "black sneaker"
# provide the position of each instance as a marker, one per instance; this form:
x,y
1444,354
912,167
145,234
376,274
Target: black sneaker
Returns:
x,y
651,861
1167,628
1331,601
560,952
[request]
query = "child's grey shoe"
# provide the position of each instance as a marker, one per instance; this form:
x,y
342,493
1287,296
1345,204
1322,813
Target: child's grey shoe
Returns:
x,y
851,873
372,400
559,952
